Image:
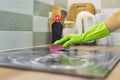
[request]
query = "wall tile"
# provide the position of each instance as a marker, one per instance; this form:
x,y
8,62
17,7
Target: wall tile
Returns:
x,y
62,3
24,23
41,9
15,39
15,22
110,4
51,2
109,11
19,6
40,24
0,19
115,38
41,38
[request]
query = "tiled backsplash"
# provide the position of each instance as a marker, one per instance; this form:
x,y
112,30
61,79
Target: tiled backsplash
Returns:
x,y
108,8
18,6
41,38
41,32
24,23
11,21
110,3
40,24
62,3
15,39
41,9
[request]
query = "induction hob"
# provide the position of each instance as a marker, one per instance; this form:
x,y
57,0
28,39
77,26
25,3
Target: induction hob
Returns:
x,y
92,64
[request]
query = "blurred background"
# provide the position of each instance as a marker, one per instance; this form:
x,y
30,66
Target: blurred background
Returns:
x,y
26,23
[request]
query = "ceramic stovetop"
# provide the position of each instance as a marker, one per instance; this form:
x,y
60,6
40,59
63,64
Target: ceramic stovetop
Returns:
x,y
71,62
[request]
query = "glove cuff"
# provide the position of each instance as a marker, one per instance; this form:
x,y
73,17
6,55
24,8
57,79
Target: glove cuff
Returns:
x,y
98,31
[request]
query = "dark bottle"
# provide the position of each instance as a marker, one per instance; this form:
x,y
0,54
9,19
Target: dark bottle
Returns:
x,y
57,28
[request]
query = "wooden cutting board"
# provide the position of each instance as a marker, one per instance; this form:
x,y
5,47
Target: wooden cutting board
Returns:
x,y
78,7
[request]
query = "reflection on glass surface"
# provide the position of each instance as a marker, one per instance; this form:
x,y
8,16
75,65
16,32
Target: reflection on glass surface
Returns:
x,y
73,62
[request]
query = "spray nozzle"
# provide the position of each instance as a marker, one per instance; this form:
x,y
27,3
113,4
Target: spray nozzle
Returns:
x,y
57,18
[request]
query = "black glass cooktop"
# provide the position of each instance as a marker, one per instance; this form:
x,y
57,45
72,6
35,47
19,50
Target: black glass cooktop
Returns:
x,y
96,64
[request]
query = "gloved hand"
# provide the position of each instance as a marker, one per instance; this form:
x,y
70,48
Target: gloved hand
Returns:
x,y
98,31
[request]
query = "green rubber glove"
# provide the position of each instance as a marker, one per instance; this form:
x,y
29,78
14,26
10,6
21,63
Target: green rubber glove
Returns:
x,y
98,31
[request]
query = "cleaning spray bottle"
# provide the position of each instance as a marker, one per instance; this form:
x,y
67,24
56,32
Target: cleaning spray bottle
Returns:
x,y
57,28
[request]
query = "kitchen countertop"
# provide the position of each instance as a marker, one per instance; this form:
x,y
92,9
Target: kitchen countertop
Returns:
x,y
17,74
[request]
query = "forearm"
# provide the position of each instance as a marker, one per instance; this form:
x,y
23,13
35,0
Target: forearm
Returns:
x,y
113,22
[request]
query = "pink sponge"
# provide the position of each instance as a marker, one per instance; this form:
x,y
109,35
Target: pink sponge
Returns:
x,y
56,47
